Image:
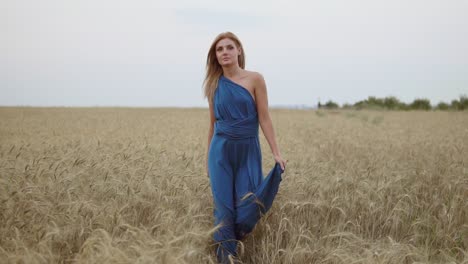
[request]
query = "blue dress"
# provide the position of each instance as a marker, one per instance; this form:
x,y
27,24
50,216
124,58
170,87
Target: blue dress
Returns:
x,y
241,193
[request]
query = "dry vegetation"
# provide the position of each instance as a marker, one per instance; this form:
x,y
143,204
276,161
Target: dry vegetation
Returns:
x,y
129,186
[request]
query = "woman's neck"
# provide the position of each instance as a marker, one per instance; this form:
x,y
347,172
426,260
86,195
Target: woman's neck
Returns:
x,y
231,72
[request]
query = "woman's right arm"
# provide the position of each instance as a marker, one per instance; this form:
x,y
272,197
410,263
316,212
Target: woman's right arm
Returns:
x,y
210,134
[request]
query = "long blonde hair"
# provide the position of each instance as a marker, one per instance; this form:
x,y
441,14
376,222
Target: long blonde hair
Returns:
x,y
213,69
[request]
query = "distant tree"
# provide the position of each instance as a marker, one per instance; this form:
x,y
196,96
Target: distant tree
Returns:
x,y
360,104
421,104
391,103
463,102
347,106
403,106
455,104
372,100
443,106
331,105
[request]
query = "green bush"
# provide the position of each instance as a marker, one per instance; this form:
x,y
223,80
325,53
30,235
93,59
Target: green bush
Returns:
x,y
347,106
442,106
421,104
374,103
393,103
464,102
455,105
331,105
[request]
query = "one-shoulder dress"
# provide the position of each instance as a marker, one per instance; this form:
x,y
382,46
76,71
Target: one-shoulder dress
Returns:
x,y
241,193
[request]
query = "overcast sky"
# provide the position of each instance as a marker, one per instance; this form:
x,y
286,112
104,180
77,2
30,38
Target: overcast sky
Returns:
x,y
152,53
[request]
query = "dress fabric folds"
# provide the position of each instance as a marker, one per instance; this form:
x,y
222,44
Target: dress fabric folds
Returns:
x,y
241,193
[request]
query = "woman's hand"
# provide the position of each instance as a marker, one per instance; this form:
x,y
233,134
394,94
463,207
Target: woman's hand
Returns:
x,y
281,161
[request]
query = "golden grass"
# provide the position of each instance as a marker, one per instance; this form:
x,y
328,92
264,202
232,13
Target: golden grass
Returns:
x,y
116,185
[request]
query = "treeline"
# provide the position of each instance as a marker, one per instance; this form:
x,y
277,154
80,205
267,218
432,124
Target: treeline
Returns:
x,y
392,103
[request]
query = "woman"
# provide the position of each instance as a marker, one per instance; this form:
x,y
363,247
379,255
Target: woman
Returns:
x,y
238,104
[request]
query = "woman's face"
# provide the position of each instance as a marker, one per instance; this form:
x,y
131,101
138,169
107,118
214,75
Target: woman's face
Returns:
x,y
227,52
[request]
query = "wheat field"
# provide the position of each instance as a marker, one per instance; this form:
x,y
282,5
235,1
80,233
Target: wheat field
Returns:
x,y
128,185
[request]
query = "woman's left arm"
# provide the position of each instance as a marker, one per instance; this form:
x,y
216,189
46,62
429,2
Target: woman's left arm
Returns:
x,y
264,118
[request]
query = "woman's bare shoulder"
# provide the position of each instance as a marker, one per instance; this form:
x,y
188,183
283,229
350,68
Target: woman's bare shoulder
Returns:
x,y
252,74
254,77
